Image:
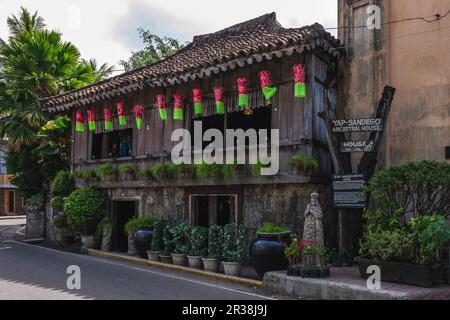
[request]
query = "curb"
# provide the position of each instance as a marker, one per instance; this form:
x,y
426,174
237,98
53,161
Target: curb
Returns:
x,y
12,217
143,262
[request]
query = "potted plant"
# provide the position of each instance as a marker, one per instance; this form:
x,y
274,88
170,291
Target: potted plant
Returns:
x,y
267,250
211,263
128,170
140,229
84,207
169,245
234,248
107,172
159,171
88,175
304,164
157,245
256,168
293,253
199,247
185,171
181,237
145,174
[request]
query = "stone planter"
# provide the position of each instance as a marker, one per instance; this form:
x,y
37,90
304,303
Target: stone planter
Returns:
x,y
211,265
154,255
143,240
232,268
131,248
405,273
106,238
195,262
166,258
88,242
267,252
179,259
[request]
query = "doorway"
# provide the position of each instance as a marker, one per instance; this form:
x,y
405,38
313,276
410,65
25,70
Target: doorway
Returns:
x,y
122,212
209,210
10,201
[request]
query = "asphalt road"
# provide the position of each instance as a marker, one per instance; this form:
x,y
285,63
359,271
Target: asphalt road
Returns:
x,y
33,272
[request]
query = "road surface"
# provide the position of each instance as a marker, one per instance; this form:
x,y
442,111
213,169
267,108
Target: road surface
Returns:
x,y
33,272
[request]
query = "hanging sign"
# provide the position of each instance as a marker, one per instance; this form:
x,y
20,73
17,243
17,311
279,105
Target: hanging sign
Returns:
x,y
357,125
358,146
348,191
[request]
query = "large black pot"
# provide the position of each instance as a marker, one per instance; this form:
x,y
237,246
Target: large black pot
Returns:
x,y
143,240
267,252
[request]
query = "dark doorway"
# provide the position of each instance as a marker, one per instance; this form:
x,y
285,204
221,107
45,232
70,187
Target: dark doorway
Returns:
x,y
122,212
224,213
209,210
202,211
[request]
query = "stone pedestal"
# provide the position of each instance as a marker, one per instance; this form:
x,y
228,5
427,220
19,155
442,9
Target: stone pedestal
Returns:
x,y
35,227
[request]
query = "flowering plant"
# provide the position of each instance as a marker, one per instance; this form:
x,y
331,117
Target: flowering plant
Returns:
x,y
293,251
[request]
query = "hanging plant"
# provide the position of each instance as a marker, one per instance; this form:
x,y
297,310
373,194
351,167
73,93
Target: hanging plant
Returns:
x,y
145,173
304,163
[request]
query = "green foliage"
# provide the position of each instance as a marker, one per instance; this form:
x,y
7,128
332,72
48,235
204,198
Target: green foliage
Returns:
x,y
172,170
128,168
156,48
84,206
145,173
139,222
201,171
228,171
215,239
413,189
256,168
36,199
98,237
159,171
293,251
234,244
107,169
158,236
60,222
304,163
57,203
88,174
63,184
168,239
271,228
199,242
181,237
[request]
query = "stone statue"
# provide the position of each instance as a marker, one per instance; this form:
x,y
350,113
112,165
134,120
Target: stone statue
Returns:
x,y
313,233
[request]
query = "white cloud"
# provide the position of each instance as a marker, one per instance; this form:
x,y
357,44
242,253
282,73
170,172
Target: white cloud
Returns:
x,y
106,30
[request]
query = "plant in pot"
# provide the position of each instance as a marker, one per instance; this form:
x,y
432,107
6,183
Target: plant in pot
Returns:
x,y
267,250
107,172
145,174
169,245
199,247
103,235
140,230
234,248
88,175
157,246
303,164
84,207
128,171
293,253
211,263
185,171
159,171
181,238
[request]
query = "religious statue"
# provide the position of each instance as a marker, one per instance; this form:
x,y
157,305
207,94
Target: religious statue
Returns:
x,y
313,235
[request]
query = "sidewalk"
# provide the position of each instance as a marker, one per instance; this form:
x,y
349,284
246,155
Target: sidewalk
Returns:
x,y
12,217
346,284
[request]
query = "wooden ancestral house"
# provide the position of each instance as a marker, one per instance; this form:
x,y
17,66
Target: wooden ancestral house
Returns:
x,y
215,60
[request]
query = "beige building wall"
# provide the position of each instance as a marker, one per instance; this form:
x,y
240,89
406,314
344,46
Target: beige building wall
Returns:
x,y
412,56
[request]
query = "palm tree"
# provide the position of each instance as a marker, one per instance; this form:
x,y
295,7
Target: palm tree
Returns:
x,y
102,72
25,22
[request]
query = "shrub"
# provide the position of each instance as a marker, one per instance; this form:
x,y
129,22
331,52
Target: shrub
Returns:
x,y
128,168
37,199
172,170
181,238
139,222
57,203
215,238
107,169
271,228
98,238
60,222
84,206
63,184
169,243
158,236
234,245
199,242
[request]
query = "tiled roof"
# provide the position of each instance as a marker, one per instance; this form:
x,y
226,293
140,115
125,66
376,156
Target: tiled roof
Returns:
x,y
241,44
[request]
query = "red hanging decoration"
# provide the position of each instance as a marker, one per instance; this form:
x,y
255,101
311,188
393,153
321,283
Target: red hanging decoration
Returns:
x,y
79,127
108,119
178,107
198,101
138,114
121,113
161,103
220,104
243,92
91,119
299,78
266,85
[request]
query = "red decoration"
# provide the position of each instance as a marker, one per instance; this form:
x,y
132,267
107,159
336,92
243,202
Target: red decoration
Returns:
x,y
220,103
91,119
266,85
178,111
299,78
108,119
161,103
79,121
121,113
198,101
138,113
243,92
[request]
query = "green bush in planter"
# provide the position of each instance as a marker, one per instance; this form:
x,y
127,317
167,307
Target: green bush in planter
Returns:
x,y
234,244
139,222
168,239
98,238
158,236
199,242
181,238
63,184
106,170
84,206
215,238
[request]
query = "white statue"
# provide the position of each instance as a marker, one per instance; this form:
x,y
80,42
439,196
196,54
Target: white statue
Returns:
x,y
313,234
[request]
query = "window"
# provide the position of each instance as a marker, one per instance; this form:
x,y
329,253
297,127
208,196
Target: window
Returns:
x,y
115,144
210,210
447,153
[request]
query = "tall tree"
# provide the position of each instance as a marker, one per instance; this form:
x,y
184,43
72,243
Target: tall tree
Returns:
x,y
25,22
101,72
156,48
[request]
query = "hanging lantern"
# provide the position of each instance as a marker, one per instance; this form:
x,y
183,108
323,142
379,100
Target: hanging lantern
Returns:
x,y
198,101
243,92
121,113
138,114
108,119
299,78
161,103
266,85
79,127
91,119
178,107
220,104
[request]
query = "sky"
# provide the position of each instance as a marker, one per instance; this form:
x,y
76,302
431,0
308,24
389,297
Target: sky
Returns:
x,y
107,29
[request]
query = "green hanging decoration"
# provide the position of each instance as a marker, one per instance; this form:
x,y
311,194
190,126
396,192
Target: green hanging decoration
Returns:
x,y
299,78
91,119
79,122
121,113
161,103
243,101
178,108
138,114
220,104
198,102
266,85
108,119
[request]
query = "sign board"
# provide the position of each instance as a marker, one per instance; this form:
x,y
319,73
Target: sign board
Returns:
x,y
358,146
358,125
348,192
